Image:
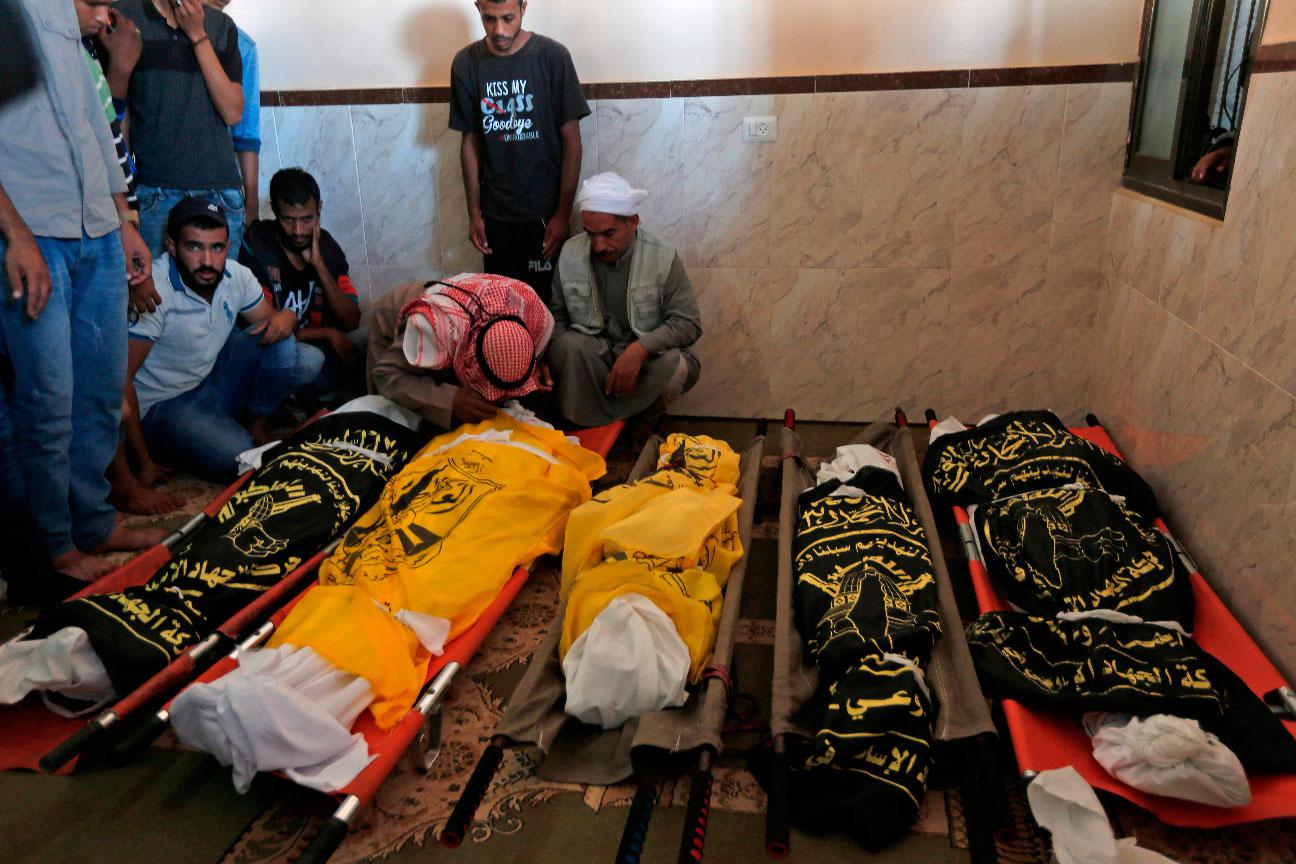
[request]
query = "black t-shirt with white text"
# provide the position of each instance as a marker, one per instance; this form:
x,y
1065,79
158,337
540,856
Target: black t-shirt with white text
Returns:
x,y
517,103
293,289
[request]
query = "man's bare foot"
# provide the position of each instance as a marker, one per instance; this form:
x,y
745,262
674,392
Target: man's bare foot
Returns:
x,y
151,475
124,539
142,501
79,565
259,429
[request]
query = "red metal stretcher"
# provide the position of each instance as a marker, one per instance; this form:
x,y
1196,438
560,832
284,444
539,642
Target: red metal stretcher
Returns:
x,y
420,728
33,738
1044,740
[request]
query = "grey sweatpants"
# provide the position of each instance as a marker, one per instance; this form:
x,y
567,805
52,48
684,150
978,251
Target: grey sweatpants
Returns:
x,y
581,363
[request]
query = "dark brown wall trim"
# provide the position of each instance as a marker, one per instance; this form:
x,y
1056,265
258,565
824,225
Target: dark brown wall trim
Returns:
x,y
1279,57
928,80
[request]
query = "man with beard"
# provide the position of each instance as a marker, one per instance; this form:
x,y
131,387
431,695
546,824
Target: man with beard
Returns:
x,y
194,375
307,272
625,316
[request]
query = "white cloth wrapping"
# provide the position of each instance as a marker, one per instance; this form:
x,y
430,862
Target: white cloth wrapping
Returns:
x,y
1171,756
1064,804
1117,618
629,661
610,193
63,663
250,460
848,461
285,709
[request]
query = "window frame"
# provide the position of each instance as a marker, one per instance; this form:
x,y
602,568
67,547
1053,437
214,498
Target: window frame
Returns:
x,y
1156,177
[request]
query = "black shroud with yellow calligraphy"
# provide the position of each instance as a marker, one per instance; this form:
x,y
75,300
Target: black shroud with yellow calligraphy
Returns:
x,y
1024,451
308,489
866,605
1128,668
1074,550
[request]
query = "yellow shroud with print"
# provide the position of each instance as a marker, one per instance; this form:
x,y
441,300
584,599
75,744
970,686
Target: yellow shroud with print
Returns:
x,y
671,537
445,537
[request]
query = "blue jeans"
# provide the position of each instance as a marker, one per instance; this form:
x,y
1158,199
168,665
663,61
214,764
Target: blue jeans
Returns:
x,y
200,430
65,408
155,206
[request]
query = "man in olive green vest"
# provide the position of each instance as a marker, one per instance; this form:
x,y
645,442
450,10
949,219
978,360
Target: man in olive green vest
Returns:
x,y
624,313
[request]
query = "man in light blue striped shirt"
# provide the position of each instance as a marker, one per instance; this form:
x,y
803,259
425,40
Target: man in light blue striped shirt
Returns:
x,y
69,258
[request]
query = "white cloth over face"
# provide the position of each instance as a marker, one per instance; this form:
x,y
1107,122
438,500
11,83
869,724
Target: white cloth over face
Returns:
x,y
629,661
63,663
847,463
250,460
285,709
610,193
1063,803
1169,756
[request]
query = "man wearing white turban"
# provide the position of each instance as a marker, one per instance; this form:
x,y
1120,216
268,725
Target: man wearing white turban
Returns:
x,y
624,313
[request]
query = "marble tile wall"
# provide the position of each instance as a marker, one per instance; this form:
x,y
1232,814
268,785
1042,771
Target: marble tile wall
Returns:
x,y
1197,368
936,247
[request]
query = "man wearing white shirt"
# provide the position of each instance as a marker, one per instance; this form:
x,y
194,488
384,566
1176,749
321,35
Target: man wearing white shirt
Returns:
x,y
200,390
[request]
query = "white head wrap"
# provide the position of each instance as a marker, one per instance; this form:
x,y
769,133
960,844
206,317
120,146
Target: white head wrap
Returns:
x,y
610,193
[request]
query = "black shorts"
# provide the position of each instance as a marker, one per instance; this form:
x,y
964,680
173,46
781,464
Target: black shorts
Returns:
x,y
516,253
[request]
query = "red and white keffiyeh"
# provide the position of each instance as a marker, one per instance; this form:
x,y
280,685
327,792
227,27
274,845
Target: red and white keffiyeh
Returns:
x,y
443,327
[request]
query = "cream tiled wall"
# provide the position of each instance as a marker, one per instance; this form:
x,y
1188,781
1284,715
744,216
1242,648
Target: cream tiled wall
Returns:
x,y
1197,376
926,247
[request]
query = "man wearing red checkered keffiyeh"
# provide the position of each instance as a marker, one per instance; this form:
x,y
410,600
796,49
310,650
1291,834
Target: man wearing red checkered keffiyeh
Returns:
x,y
454,349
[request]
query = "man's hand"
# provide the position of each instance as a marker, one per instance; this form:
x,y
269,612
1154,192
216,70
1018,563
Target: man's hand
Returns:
x,y
555,236
189,18
343,347
311,254
544,377
27,271
624,377
144,297
472,407
278,327
477,233
1216,161
123,42
139,261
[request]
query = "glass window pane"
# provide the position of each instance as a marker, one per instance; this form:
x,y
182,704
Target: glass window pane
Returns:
x,y
1165,71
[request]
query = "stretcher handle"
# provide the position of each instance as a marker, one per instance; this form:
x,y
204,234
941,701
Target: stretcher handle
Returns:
x,y
901,419
326,841
1092,419
789,418
698,813
144,734
930,416
474,791
777,813
79,742
636,828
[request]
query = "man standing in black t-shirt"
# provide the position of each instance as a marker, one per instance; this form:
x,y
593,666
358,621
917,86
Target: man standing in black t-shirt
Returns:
x,y
307,273
516,99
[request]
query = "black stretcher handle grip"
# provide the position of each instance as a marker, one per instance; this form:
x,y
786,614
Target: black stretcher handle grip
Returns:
x,y
777,815
930,416
696,817
80,741
636,828
140,737
471,797
1092,420
326,841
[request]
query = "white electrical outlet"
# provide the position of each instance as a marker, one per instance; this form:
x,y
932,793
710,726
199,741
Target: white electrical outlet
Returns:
x,y
759,129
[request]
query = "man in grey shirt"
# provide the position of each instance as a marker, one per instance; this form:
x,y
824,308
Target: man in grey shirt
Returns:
x,y
69,253
185,94
624,313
